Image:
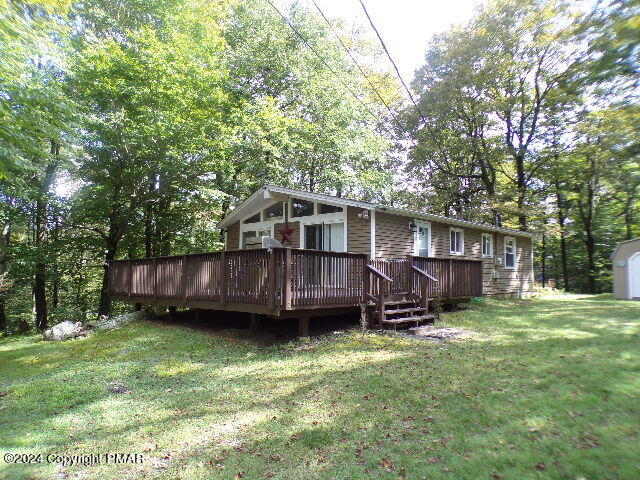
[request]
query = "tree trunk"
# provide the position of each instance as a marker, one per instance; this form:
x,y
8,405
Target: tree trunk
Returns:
x,y
5,235
148,219
40,276
543,260
104,306
562,219
521,188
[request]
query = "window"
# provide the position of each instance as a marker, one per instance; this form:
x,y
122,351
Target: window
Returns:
x,y
324,236
487,245
254,234
422,239
254,219
274,212
509,252
456,241
301,208
324,208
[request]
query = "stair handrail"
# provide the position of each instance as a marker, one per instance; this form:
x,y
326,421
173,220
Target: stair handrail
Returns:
x,y
384,281
424,300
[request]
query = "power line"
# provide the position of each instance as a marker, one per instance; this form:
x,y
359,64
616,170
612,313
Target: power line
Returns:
x,y
415,104
392,61
366,77
306,42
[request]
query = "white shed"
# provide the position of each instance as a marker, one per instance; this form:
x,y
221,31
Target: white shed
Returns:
x,y
626,270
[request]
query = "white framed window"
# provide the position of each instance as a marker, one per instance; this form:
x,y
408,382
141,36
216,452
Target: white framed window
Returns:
x,y
509,252
274,212
487,245
260,232
325,236
422,239
456,241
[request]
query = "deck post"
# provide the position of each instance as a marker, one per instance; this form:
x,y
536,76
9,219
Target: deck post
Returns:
x,y
130,278
223,279
184,278
271,281
303,327
382,293
155,279
253,321
366,283
287,279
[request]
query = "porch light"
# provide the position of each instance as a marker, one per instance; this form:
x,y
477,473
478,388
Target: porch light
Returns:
x,y
364,214
412,226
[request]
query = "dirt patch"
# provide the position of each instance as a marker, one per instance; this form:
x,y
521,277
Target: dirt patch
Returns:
x,y
440,334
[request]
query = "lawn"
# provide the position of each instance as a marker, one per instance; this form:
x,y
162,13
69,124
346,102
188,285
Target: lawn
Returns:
x,y
548,388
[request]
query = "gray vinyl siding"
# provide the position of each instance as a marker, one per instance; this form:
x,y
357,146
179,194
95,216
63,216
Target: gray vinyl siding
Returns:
x,y
394,239
358,232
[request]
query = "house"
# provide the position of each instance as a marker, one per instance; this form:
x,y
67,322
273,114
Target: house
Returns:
x,y
293,253
300,219
626,270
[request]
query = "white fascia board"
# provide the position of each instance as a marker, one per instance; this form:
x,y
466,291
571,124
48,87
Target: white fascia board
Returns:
x,y
453,221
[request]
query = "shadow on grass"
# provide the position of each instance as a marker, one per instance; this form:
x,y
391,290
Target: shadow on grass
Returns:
x,y
346,406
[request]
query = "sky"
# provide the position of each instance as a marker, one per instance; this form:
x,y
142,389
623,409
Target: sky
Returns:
x,y
405,25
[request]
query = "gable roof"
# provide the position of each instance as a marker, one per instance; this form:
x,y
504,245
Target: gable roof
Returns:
x,y
615,252
272,193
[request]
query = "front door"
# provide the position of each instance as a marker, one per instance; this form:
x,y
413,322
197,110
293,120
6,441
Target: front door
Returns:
x,y
422,239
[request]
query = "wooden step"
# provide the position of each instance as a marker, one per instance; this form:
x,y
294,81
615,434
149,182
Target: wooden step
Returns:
x,y
418,318
398,302
401,310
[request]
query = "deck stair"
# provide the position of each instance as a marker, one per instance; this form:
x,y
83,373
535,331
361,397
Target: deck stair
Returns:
x,y
398,312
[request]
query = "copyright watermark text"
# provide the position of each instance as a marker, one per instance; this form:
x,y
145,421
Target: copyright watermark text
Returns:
x,y
69,460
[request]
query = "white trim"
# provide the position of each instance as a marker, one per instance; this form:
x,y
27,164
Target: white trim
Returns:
x,y
515,252
416,246
372,215
461,231
629,285
490,237
275,192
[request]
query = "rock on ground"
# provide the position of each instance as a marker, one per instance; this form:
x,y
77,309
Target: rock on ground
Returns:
x,y
106,323
64,331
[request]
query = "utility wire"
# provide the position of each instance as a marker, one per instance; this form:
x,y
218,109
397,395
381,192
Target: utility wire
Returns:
x,y
415,104
366,77
306,42
392,61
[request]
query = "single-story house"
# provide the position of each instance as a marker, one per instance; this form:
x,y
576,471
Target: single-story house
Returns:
x,y
626,270
300,219
293,253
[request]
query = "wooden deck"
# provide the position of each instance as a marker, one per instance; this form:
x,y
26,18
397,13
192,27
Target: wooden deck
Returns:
x,y
278,280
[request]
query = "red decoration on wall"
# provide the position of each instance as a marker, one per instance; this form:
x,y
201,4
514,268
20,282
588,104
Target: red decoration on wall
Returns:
x,y
286,233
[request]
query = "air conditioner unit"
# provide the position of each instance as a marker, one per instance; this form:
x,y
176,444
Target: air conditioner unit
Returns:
x,y
252,243
270,242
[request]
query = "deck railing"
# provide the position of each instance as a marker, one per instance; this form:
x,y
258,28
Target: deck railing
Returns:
x,y
285,279
277,278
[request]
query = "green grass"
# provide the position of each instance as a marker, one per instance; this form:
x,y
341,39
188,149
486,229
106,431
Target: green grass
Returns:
x,y
549,388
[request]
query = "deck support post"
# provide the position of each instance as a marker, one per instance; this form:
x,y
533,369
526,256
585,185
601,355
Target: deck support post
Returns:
x,y
172,313
137,307
303,328
198,315
223,279
287,279
253,321
381,302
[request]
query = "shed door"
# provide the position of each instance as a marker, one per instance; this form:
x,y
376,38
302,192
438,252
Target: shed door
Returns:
x,y
634,276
